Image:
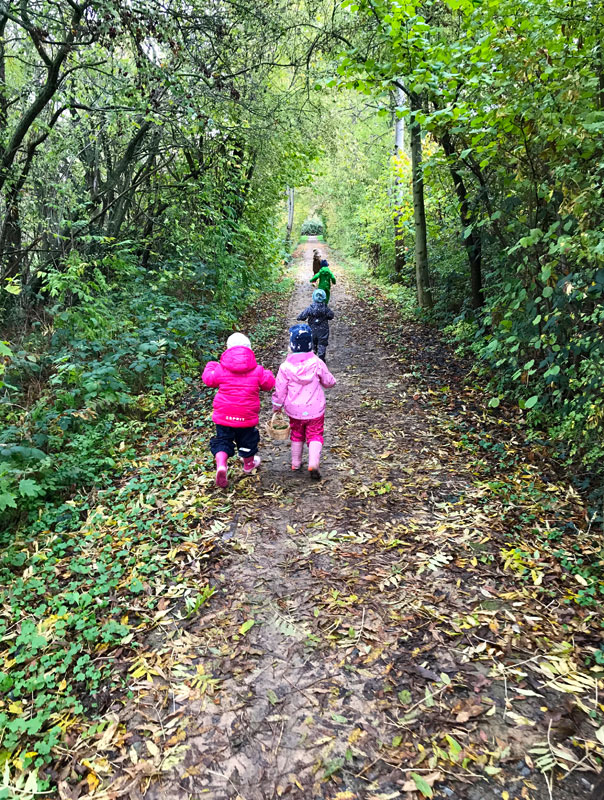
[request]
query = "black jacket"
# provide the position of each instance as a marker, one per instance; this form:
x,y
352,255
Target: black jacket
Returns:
x,y
318,316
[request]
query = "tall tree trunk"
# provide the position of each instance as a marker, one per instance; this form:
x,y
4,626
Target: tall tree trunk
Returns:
x,y
399,150
422,275
290,214
3,87
473,241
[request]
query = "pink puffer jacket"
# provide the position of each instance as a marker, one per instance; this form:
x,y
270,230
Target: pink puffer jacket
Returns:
x,y
299,389
239,379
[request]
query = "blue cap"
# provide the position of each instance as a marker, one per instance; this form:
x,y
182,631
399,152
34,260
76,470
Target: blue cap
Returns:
x,y
300,338
319,296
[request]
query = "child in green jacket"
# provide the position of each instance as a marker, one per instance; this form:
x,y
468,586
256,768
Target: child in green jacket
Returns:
x,y
325,277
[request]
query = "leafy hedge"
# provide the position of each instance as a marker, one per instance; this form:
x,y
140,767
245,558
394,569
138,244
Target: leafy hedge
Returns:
x,y
312,227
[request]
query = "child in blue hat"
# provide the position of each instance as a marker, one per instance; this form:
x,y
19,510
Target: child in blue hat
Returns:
x,y
299,392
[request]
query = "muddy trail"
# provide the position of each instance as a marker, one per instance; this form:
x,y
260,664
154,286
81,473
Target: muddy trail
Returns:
x,y
399,629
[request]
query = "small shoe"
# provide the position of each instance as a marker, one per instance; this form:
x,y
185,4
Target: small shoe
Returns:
x,y
221,477
315,475
250,464
296,468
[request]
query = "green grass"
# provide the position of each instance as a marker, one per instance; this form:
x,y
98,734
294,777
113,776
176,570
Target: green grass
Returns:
x,y
303,239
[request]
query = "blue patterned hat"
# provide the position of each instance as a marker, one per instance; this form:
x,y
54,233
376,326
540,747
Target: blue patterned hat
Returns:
x,y
300,339
319,296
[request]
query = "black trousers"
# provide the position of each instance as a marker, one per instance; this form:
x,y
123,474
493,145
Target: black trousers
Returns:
x,y
319,345
245,439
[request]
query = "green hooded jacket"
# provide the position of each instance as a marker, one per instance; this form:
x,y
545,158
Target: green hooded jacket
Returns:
x,y
325,277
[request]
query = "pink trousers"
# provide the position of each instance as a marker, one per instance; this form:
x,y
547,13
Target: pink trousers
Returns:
x,y
307,430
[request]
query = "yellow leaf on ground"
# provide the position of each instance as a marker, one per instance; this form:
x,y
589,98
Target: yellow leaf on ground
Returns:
x,y
92,781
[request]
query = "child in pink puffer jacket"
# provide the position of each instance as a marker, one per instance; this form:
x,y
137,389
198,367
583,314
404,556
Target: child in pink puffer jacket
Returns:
x,y
239,380
299,392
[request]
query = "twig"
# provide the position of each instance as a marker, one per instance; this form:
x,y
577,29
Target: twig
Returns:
x,y
276,750
550,783
360,633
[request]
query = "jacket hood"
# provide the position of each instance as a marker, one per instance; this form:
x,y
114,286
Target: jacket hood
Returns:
x,y
303,366
238,359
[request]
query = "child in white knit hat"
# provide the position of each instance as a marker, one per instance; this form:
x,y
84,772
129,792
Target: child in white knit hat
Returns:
x,y
239,380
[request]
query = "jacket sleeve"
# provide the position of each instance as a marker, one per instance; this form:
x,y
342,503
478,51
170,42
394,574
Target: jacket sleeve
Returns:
x,y
314,277
332,277
304,314
280,390
328,313
326,378
211,374
267,380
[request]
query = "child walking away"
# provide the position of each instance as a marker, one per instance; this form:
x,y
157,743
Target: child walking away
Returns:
x,y
316,261
318,315
299,392
239,380
325,277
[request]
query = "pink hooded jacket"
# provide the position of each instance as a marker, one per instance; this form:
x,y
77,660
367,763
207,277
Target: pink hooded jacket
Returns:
x,y
299,387
239,379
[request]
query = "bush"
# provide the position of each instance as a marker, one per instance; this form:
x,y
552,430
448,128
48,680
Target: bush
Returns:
x,y
312,227
109,357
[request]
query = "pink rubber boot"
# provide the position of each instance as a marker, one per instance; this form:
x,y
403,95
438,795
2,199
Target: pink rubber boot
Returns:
x,y
314,457
221,470
297,454
251,463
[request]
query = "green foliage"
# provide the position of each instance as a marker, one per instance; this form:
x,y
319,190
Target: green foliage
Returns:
x,y
510,106
312,227
68,596
110,361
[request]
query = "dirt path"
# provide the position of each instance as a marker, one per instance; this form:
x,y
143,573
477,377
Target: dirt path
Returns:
x,y
389,651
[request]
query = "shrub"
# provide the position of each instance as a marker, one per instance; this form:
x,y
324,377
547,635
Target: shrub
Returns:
x,y
312,227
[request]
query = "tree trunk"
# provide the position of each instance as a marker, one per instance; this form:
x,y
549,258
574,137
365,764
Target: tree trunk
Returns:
x,y
473,241
422,275
3,87
290,214
399,150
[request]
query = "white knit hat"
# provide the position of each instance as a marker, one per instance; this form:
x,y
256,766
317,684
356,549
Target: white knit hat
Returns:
x,y
238,340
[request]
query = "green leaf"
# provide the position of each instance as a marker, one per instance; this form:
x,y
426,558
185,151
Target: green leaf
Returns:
x,y
422,786
532,401
29,488
454,747
333,766
246,626
494,402
404,696
7,500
